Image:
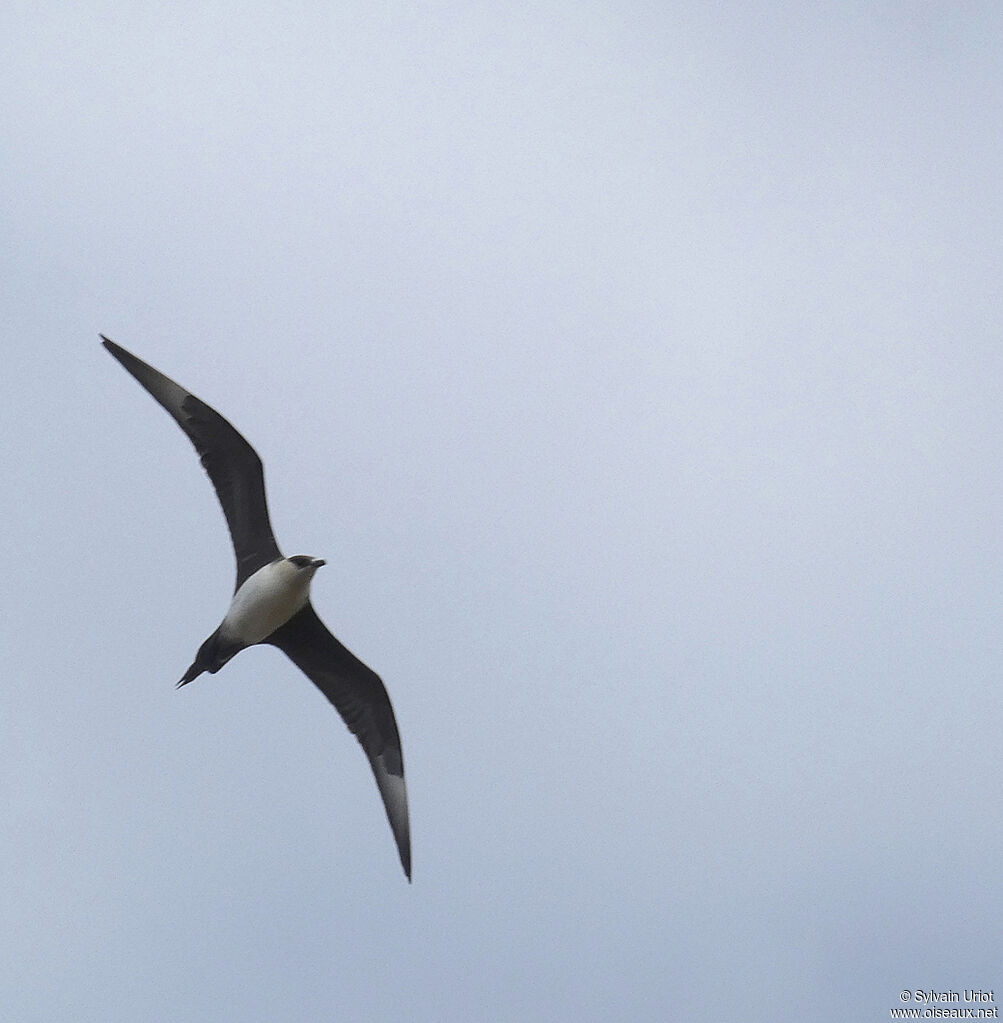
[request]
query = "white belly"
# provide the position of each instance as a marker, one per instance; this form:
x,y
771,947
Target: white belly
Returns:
x,y
266,600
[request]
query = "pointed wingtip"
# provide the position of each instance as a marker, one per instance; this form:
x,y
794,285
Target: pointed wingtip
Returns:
x,y
112,348
404,850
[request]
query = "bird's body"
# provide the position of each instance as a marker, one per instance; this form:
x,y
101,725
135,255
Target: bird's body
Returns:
x,y
263,603
271,601
269,598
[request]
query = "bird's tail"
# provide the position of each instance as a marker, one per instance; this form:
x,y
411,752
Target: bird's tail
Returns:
x,y
212,655
192,673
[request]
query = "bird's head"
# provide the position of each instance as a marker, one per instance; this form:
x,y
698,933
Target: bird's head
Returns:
x,y
305,563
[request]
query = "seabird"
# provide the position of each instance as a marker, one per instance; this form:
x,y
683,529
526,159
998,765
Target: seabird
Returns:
x,y
271,600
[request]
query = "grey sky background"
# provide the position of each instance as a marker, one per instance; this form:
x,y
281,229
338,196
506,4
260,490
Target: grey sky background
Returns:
x,y
636,367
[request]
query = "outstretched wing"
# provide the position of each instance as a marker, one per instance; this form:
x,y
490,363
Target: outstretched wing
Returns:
x,y
361,699
232,464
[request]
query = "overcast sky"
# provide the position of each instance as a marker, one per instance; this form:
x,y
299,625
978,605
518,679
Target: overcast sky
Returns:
x,y
636,367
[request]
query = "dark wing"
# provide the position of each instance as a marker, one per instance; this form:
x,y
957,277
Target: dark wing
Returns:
x,y
232,464
360,698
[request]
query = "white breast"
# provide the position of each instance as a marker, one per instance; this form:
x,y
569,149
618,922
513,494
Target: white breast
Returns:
x,y
266,600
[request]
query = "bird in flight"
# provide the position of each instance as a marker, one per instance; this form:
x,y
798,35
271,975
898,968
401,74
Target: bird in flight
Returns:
x,y
271,600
